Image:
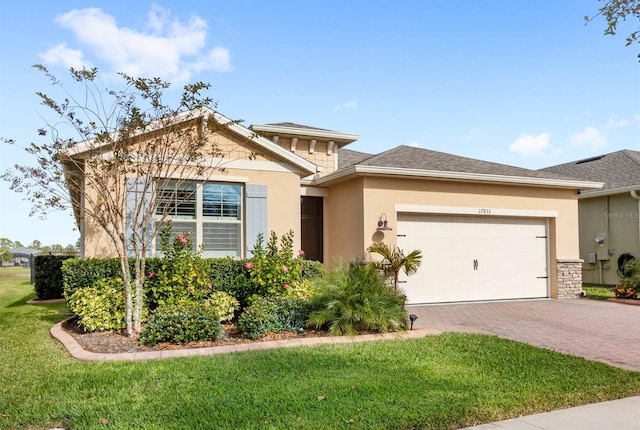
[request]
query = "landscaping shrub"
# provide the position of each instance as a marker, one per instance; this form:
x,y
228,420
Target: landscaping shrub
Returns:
x,y
181,324
182,275
353,299
221,304
272,269
47,276
223,272
629,286
272,315
82,273
99,307
311,269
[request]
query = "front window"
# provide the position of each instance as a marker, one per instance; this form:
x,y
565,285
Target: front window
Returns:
x,y
211,212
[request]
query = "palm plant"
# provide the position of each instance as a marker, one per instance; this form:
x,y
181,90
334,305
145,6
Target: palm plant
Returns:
x,y
352,299
394,260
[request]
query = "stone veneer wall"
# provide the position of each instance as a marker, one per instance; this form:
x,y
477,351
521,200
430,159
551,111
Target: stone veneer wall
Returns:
x,y
569,278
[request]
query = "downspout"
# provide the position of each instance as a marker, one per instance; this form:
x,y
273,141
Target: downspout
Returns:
x,y
637,197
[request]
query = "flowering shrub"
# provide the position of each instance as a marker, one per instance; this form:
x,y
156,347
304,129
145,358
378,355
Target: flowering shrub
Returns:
x,y
273,269
182,276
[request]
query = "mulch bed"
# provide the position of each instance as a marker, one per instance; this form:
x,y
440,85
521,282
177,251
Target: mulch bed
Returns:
x,y
113,343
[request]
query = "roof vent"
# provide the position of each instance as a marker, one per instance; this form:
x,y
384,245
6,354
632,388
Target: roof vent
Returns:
x,y
587,160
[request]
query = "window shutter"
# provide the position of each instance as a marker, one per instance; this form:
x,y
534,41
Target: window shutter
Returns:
x,y
256,211
136,195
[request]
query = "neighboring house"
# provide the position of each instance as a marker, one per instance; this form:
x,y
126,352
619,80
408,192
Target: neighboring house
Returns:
x,y
609,217
487,231
22,256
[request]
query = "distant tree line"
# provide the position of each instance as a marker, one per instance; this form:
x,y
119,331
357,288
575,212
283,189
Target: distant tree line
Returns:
x,y
7,245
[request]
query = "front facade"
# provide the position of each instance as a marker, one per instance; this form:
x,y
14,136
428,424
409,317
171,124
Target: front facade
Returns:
x,y
609,217
486,231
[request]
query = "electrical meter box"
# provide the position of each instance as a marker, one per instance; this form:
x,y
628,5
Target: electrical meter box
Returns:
x,y
602,246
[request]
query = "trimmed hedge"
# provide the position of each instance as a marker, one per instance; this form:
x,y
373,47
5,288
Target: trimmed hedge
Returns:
x,y
222,272
47,274
82,273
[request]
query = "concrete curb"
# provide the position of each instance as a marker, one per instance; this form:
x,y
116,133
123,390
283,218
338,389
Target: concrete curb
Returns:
x,y
77,352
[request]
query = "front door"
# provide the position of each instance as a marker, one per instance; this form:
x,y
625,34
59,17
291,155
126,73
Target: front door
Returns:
x,y
311,227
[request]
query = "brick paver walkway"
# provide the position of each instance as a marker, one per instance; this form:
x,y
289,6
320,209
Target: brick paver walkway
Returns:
x,y
597,330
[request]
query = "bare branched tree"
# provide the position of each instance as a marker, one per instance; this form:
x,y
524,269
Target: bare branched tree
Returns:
x,y
123,148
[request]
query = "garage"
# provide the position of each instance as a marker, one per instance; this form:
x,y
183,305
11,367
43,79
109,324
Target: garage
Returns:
x,y
473,258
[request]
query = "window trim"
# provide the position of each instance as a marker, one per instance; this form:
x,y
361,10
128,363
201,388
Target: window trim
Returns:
x,y
200,219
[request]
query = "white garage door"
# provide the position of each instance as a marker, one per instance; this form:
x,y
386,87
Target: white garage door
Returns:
x,y
468,258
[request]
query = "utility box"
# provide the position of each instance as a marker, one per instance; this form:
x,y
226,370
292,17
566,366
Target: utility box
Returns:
x,y
591,258
602,246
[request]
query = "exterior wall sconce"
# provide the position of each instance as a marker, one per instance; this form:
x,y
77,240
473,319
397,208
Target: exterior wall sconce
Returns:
x,y
382,223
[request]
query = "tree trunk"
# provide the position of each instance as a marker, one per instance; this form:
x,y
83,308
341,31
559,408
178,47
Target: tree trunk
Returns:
x,y
139,293
128,299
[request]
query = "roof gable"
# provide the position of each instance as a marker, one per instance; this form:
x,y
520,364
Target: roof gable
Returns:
x,y
262,143
618,170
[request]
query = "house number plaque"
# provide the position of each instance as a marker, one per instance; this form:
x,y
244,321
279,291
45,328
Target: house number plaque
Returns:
x,y
484,211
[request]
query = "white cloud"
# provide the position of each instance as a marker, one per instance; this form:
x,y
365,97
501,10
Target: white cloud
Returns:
x,y
169,49
351,104
63,56
590,137
530,145
415,144
615,123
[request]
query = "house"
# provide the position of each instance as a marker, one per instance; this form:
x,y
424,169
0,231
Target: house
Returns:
x,y
609,217
22,256
487,231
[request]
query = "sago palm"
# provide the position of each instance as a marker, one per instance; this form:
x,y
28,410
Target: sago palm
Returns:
x,y
394,260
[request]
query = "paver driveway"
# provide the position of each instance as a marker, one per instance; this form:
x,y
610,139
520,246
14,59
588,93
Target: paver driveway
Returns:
x,y
597,330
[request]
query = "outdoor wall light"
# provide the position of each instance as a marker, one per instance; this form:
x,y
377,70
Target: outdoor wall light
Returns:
x,y
412,318
382,223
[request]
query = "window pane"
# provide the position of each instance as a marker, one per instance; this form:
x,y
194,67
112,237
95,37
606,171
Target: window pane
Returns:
x,y
177,201
221,201
221,239
178,227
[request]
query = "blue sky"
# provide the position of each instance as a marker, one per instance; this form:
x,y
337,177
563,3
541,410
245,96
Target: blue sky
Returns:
x,y
524,83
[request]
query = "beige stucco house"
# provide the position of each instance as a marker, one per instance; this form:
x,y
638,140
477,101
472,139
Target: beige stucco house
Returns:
x,y
487,231
609,217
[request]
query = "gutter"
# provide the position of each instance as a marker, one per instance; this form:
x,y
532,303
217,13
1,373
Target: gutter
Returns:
x,y
360,170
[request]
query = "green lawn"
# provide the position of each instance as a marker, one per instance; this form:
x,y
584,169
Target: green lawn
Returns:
x,y
440,382
598,292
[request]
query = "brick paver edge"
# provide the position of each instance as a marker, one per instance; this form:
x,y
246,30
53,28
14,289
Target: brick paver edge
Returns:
x,y
76,351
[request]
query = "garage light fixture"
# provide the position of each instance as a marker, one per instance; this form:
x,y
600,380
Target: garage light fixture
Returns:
x,y
382,223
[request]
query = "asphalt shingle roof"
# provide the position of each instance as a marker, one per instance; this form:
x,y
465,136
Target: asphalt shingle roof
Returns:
x,y
294,125
408,157
348,157
617,170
